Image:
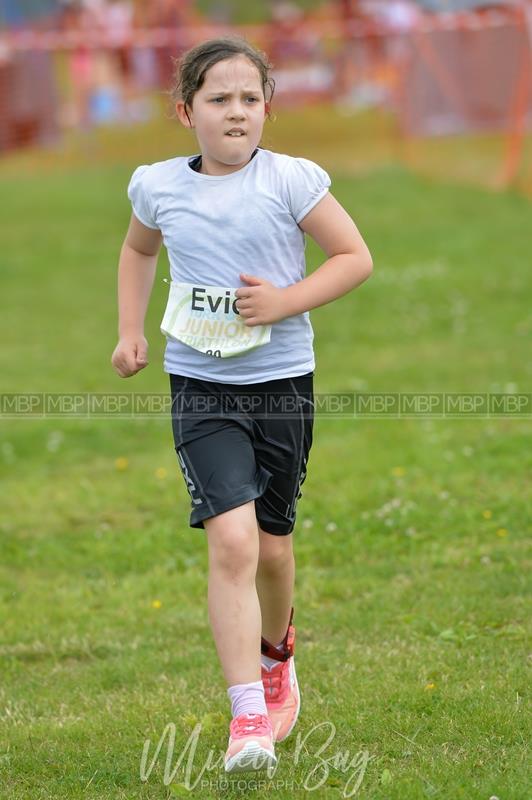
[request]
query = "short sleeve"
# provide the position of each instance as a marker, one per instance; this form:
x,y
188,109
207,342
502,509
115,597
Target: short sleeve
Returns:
x,y
138,194
307,184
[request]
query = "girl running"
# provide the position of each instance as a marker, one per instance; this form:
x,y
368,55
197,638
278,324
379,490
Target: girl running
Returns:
x,y
240,359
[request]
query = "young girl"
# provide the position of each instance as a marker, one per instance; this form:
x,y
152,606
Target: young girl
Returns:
x,y
240,359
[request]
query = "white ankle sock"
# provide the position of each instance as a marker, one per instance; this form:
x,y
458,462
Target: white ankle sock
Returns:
x,y
247,698
268,662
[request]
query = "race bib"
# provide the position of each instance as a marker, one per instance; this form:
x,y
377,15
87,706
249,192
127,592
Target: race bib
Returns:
x,y
206,318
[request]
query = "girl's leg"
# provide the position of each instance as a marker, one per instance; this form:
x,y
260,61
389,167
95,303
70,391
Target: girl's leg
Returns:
x,y
233,603
275,584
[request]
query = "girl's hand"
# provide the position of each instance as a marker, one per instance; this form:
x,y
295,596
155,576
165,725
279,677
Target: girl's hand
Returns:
x,y
260,303
130,355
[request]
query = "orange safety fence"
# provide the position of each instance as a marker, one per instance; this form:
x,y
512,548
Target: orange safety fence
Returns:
x,y
442,75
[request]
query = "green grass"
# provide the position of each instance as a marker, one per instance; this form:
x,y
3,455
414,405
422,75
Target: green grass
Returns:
x,y
411,543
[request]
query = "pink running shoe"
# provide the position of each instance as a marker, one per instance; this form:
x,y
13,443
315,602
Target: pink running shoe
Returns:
x,y
281,690
250,744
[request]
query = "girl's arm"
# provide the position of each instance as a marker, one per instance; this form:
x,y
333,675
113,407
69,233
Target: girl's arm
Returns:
x,y
349,261
136,274
349,264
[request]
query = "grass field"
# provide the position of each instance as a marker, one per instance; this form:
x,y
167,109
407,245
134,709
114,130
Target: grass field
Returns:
x,y
411,542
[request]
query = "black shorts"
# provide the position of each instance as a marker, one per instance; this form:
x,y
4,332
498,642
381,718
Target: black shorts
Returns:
x,y
237,443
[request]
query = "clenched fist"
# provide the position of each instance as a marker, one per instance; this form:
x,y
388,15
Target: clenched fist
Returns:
x,y
130,356
260,302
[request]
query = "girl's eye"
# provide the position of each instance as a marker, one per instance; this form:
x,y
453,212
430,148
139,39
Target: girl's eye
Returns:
x,y
223,98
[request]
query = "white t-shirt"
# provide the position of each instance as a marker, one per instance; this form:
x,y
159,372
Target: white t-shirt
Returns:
x,y
217,226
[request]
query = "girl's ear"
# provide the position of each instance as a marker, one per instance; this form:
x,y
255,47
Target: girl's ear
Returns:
x,y
182,114
267,107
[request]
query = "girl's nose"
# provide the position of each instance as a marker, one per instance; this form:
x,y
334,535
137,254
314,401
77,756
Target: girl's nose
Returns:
x,y
237,109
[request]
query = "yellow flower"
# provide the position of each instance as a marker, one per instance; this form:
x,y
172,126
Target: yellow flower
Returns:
x,y
487,514
430,686
502,532
398,471
156,604
121,463
161,473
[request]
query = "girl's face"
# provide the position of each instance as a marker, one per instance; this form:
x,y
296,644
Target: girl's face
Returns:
x,y
231,97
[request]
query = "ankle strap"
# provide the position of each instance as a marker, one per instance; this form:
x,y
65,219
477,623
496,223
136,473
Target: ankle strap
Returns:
x,y
271,651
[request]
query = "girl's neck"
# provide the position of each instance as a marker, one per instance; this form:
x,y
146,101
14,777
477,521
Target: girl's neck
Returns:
x,y
197,163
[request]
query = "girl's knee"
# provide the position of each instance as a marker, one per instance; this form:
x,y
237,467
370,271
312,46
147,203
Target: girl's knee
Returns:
x,y
233,540
275,552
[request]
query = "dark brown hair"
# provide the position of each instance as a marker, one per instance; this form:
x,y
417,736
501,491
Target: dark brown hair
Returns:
x,y
191,68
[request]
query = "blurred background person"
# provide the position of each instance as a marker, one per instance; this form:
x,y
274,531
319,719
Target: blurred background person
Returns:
x,y
77,20
116,21
170,15
303,73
